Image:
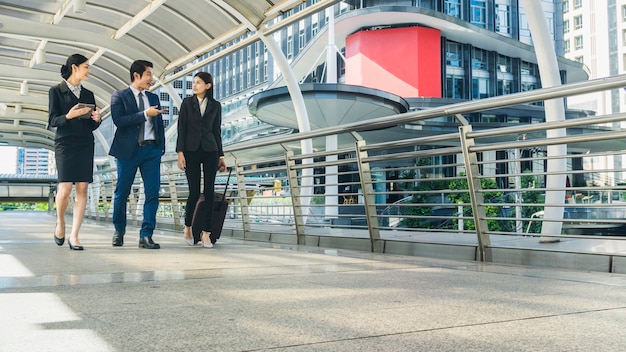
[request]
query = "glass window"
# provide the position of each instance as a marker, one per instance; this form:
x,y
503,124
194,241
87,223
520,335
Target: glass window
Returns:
x,y
566,46
480,88
454,54
453,8
479,59
455,85
624,13
527,68
504,64
503,19
566,26
578,22
565,6
301,39
478,13
578,4
579,42
505,87
578,59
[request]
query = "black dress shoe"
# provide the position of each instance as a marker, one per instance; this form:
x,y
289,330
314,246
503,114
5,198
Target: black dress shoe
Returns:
x,y
59,241
146,242
118,239
74,248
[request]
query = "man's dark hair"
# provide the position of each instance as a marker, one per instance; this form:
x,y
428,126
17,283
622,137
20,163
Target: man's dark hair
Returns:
x,y
139,66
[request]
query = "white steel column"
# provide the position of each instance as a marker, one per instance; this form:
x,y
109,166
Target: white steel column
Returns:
x,y
331,188
555,111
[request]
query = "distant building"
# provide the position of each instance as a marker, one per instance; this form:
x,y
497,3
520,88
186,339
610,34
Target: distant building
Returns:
x,y
594,34
34,161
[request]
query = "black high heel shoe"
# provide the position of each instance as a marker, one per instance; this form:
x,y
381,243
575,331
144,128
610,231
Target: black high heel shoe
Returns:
x,y
74,248
58,241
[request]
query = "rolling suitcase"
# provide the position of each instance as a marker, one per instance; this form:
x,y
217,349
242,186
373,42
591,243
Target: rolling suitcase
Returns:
x,y
218,215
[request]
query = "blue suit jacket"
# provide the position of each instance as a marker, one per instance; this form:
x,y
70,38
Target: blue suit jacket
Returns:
x,y
128,120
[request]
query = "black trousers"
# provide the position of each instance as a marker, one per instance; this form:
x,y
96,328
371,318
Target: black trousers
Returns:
x,y
200,164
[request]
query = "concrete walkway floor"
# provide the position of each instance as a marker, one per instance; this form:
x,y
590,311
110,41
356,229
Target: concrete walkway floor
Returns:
x,y
246,296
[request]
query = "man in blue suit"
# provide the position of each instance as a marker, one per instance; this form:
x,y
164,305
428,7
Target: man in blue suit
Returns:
x,y
139,143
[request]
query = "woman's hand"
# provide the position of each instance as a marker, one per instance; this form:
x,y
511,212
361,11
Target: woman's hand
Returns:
x,y
221,164
182,164
76,112
95,115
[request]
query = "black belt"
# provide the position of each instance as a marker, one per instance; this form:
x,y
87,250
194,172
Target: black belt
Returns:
x,y
148,142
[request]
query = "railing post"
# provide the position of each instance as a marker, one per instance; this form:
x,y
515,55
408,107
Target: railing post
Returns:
x,y
174,199
243,199
476,197
294,190
365,176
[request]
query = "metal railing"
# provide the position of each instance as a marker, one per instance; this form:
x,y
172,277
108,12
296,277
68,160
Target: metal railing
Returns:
x,y
471,194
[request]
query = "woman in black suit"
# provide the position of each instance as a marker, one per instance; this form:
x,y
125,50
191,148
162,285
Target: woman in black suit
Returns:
x,y
199,144
73,143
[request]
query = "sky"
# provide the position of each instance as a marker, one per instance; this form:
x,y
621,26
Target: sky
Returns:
x,y
8,160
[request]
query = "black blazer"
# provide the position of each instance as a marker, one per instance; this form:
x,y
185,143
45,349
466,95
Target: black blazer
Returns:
x,y
197,132
128,120
60,101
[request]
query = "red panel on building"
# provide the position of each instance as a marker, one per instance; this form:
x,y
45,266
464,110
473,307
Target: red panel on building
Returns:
x,y
403,61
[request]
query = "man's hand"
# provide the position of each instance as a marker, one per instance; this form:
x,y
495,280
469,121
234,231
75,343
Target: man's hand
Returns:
x,y
153,111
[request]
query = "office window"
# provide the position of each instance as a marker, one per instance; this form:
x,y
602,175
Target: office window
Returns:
x,y
178,84
503,19
578,42
579,59
527,86
565,6
578,4
289,47
566,48
528,68
624,37
479,59
566,26
478,13
164,96
578,22
453,8
505,87
314,29
480,88
504,64
455,85
454,54
624,13
301,39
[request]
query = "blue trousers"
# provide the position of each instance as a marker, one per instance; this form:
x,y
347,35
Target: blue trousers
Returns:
x,y
148,160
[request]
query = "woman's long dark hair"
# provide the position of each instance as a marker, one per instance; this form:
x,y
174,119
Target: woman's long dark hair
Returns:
x,y
207,78
76,59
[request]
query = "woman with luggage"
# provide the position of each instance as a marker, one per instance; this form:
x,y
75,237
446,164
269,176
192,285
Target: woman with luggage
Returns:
x,y
199,148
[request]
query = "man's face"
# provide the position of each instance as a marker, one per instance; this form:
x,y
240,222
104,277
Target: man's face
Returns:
x,y
145,81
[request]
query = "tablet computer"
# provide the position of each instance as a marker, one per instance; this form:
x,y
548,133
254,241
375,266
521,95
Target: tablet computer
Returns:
x,y
88,114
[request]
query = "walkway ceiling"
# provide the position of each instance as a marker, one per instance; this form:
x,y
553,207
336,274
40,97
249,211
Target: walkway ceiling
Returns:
x,y
37,36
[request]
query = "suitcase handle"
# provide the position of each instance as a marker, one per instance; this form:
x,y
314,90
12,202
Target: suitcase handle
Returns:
x,y
230,171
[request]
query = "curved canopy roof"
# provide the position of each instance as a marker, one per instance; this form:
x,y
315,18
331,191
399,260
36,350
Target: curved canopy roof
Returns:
x,y
37,36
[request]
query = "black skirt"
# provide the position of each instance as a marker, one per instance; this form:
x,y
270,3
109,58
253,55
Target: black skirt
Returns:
x,y
74,159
